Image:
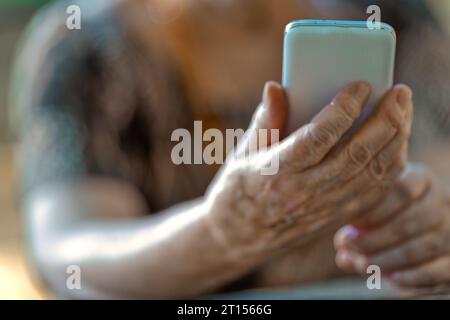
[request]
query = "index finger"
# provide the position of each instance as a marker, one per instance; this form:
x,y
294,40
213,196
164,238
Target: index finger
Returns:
x,y
308,145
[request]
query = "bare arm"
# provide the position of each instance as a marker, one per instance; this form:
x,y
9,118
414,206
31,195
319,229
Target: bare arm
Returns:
x,y
169,255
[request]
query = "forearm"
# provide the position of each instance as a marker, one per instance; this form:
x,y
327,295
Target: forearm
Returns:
x,y
169,255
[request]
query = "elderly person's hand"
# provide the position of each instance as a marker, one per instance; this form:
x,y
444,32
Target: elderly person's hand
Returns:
x,y
323,179
407,235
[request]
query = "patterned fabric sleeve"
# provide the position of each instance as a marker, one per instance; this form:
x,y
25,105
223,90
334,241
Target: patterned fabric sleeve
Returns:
x,y
54,76
102,102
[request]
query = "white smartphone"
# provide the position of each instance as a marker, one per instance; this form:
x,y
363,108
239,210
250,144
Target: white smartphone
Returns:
x,y
323,56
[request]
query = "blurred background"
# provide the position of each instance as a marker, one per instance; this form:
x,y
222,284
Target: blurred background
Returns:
x,y
15,279
15,282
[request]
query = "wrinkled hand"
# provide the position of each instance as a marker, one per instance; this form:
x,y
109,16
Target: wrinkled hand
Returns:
x,y
323,179
407,235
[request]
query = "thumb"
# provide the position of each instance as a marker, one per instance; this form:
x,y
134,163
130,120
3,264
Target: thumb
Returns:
x,y
270,115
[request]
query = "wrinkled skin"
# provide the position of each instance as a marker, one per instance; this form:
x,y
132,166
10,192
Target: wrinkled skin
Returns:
x,y
323,179
246,218
407,235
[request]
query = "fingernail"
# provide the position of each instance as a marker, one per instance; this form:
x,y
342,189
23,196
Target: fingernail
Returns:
x,y
350,233
360,90
404,96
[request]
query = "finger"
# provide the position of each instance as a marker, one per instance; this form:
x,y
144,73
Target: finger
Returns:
x,y
367,189
391,122
271,115
413,222
410,187
339,206
304,216
310,144
343,237
399,145
350,261
313,218
410,253
381,171
431,273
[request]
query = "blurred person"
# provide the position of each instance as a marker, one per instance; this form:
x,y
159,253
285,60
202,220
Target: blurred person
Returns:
x,y
99,189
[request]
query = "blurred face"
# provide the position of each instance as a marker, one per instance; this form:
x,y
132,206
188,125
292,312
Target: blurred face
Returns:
x,y
227,49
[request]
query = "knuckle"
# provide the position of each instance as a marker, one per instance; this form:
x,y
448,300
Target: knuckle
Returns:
x,y
301,152
348,105
306,142
393,173
394,118
321,136
358,153
377,169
